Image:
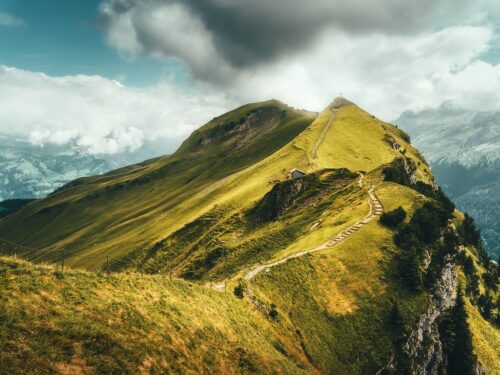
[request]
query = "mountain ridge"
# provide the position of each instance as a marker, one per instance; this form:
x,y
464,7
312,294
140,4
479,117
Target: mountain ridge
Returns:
x,y
383,296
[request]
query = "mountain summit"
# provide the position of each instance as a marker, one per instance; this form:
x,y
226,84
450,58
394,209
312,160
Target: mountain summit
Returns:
x,y
219,259
339,102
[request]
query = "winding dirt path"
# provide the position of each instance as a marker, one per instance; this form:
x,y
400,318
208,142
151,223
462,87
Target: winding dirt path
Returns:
x,y
323,134
376,209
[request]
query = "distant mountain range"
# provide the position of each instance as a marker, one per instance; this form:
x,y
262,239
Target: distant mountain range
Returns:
x,y
463,149
31,171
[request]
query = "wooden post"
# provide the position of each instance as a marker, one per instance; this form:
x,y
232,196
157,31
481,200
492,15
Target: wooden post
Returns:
x,y
107,264
170,272
62,260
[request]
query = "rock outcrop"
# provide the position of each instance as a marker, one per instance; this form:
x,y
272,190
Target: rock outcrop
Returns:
x,y
281,197
422,353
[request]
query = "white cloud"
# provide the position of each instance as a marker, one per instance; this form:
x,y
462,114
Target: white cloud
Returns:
x,y
8,20
384,71
387,56
384,74
216,37
99,115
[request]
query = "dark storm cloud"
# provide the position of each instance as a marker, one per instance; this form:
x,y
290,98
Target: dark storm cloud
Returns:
x,y
245,33
249,32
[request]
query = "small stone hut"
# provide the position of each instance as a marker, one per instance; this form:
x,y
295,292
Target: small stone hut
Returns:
x,y
296,173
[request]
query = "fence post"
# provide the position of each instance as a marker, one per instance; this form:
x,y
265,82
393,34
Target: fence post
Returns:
x,y
107,264
62,260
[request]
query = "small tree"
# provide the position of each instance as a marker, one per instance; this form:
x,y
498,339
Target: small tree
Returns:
x,y
472,289
397,320
409,268
461,359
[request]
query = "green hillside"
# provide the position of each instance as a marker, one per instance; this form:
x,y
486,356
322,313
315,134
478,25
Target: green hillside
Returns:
x,y
221,263
80,323
128,209
228,163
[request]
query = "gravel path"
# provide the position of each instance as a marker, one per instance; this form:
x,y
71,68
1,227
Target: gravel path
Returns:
x,y
323,134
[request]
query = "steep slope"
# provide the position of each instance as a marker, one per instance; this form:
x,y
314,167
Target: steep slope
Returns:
x,y
381,300
80,323
127,209
128,212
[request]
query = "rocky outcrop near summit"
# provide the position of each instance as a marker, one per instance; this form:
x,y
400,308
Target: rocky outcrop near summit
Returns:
x,y
280,199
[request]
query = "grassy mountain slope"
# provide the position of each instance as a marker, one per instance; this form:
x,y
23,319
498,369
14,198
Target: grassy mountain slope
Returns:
x,y
125,210
129,211
217,207
341,297
82,323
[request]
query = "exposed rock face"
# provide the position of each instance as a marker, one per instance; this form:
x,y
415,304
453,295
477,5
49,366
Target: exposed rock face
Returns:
x,y
424,347
236,131
410,169
445,290
423,350
279,199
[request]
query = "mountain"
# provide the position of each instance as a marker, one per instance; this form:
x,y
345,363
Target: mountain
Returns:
x,y
30,171
215,260
463,149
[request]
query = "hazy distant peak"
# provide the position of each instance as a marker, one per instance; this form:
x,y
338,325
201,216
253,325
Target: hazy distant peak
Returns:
x,y
453,134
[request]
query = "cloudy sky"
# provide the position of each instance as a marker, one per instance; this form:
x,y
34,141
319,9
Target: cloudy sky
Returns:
x,y
109,75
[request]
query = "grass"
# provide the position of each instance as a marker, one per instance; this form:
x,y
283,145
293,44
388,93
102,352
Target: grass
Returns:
x,y
485,340
126,212
191,213
339,301
215,246
485,336
82,323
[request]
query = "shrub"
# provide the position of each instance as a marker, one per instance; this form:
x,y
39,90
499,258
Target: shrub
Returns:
x,y
424,227
239,291
273,313
393,218
486,305
491,277
405,136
